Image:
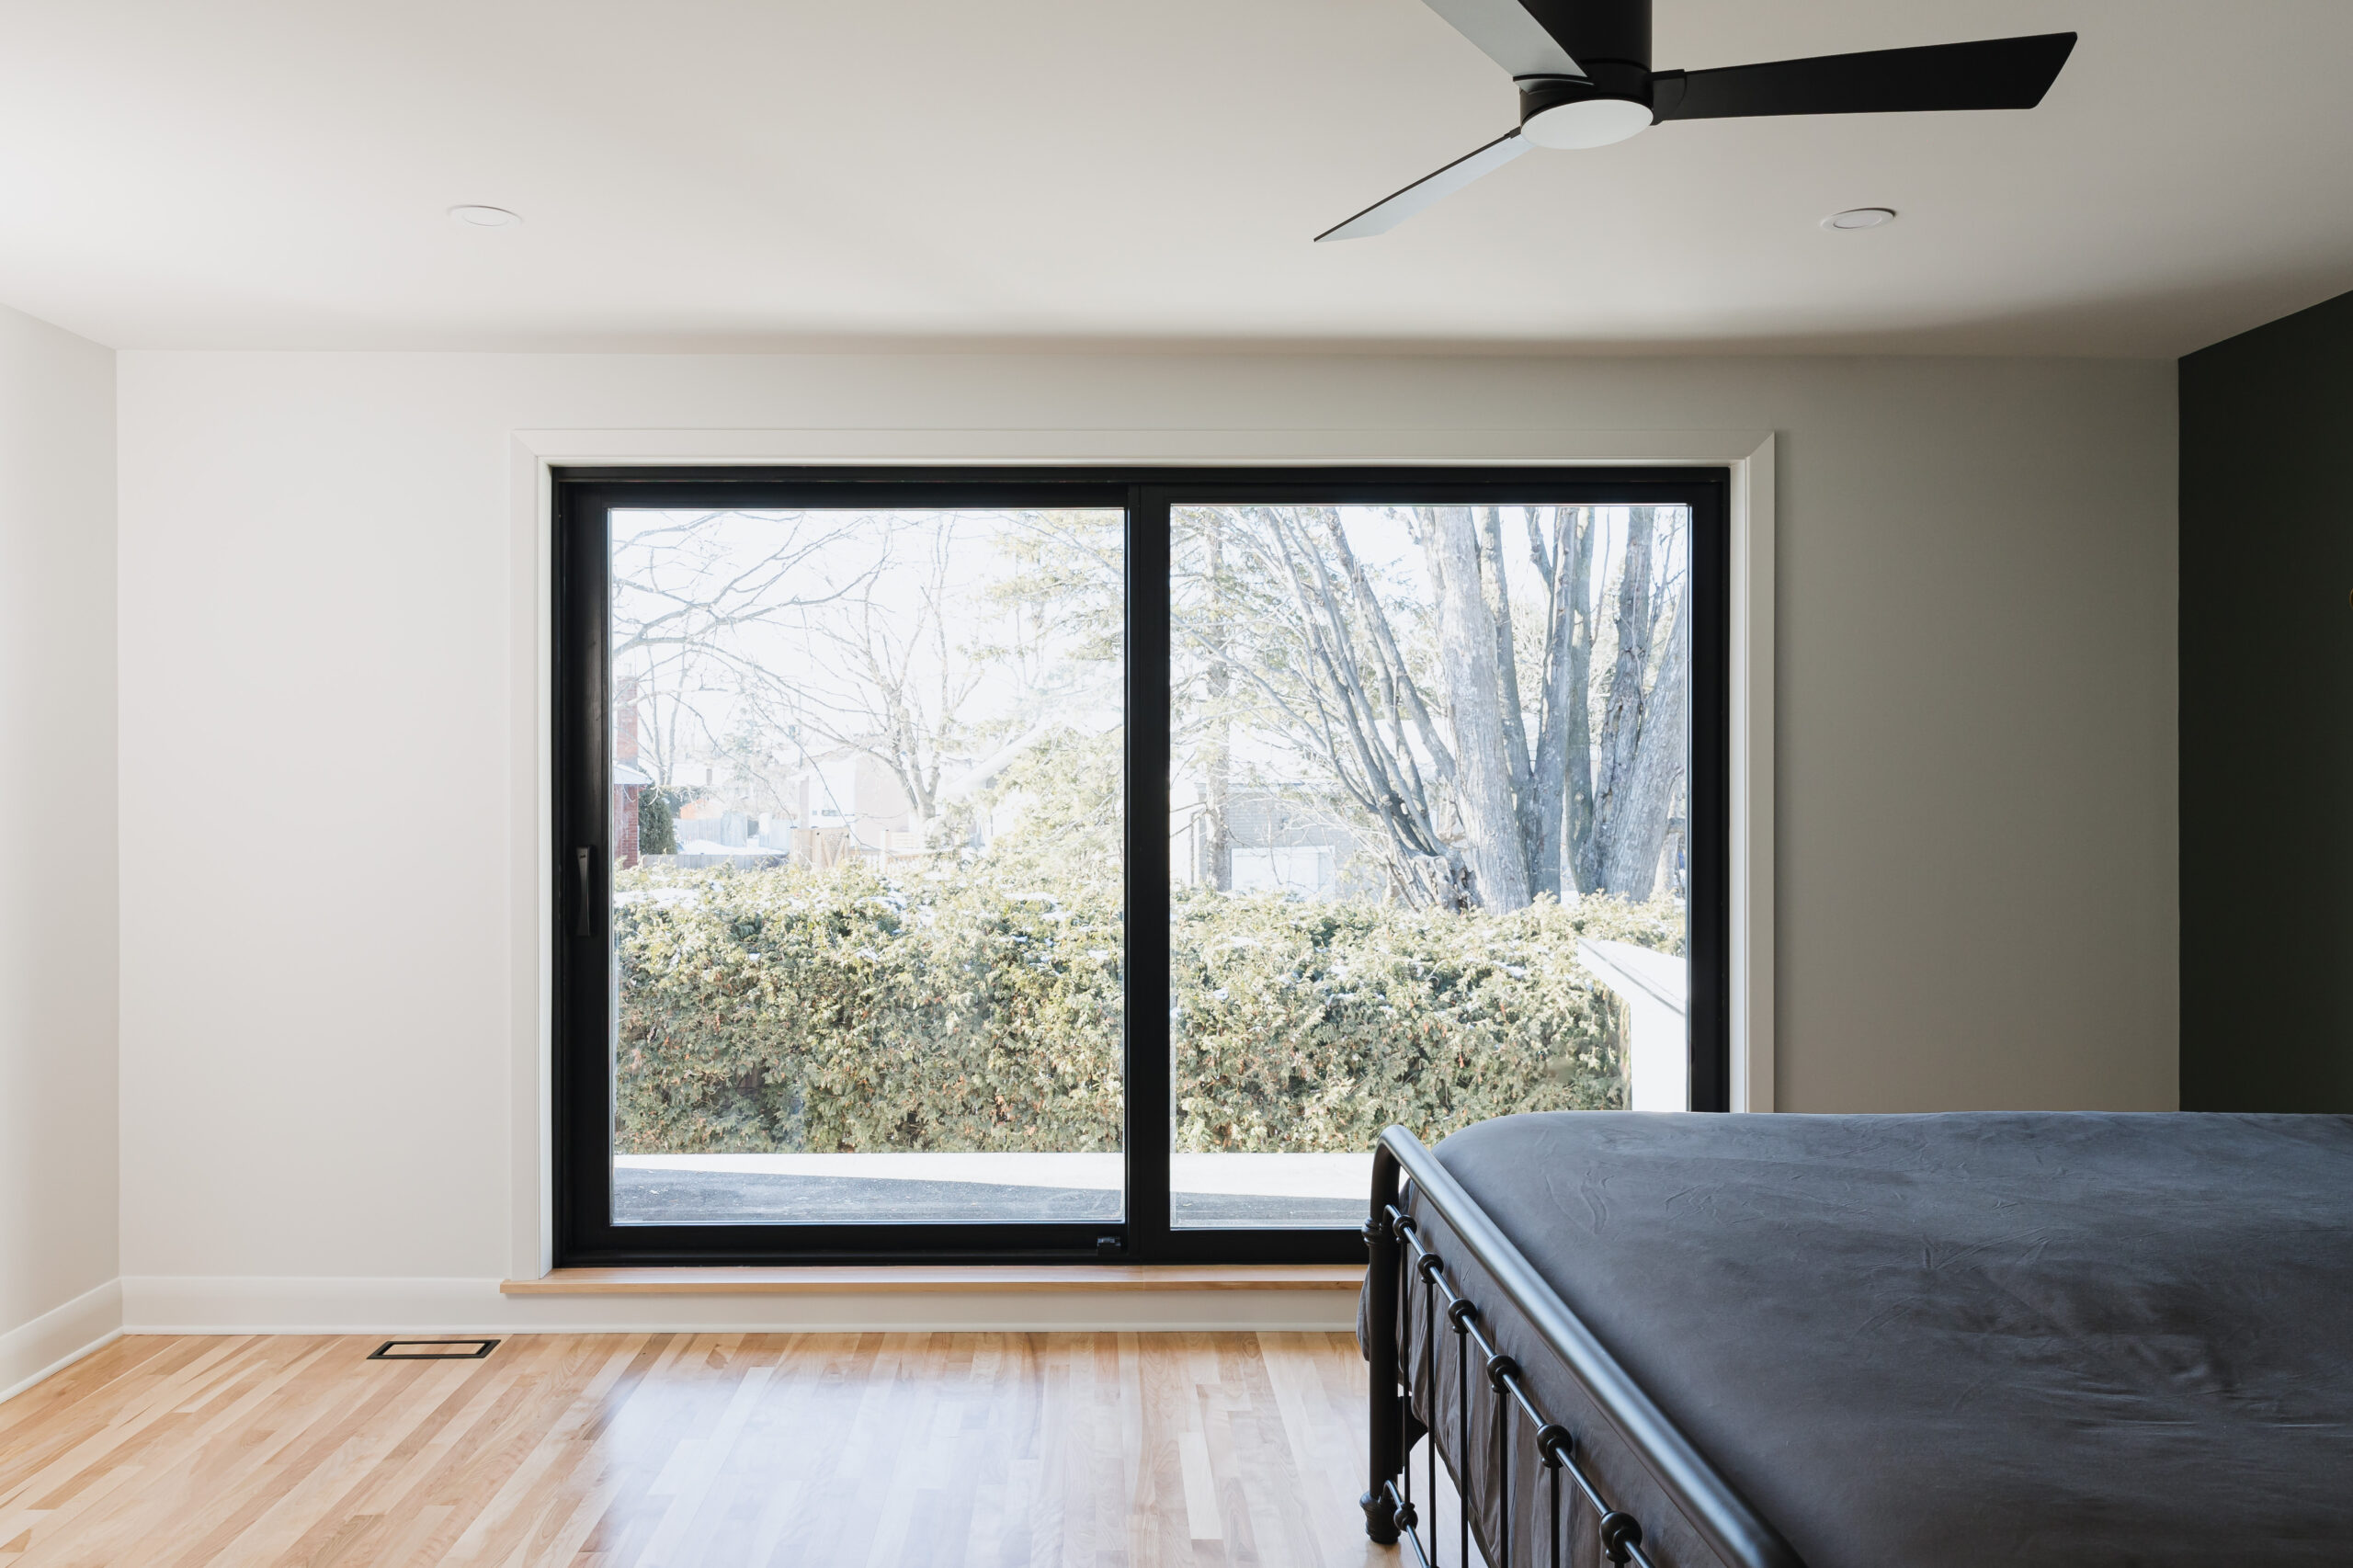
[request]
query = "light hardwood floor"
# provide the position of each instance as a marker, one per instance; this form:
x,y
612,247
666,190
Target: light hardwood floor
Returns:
x,y
910,1450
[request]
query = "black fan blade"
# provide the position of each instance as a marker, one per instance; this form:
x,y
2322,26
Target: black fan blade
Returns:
x,y
1386,215
2002,73
1507,34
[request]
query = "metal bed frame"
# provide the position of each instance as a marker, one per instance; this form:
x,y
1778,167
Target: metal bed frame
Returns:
x,y
1400,1257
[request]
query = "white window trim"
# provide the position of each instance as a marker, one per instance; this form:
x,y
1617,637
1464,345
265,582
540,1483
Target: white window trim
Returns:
x,y
535,454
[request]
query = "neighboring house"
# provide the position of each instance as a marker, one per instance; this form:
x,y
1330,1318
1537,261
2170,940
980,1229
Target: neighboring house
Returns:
x,y
1288,839
845,805
712,824
848,803
628,780
627,785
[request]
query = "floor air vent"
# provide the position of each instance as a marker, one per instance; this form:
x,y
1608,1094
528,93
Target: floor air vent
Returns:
x,y
433,1349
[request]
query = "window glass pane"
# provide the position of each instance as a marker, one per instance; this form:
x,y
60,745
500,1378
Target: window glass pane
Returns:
x,y
866,907
1427,818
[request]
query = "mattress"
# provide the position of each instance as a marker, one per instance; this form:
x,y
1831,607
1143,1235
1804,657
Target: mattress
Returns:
x,y
1931,1340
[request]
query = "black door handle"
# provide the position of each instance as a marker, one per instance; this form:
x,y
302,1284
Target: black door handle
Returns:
x,y
580,901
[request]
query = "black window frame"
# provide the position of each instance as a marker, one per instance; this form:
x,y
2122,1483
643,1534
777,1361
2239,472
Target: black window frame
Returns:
x,y
584,1234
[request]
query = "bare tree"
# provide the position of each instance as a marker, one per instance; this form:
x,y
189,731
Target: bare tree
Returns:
x,y
1217,748
688,603
1024,603
1642,798
1560,545
766,640
1482,692
1315,657
892,688
1414,710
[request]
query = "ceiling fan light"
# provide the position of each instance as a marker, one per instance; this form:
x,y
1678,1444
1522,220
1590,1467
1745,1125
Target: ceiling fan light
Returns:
x,y
1588,122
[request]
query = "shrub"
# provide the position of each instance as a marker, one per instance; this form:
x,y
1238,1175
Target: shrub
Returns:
x,y
657,832
967,1010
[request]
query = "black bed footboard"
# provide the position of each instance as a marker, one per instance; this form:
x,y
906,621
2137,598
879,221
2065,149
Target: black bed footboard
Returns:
x,y
1407,1282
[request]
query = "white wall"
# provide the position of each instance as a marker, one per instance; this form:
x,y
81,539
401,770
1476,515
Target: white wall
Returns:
x,y
58,1191
324,639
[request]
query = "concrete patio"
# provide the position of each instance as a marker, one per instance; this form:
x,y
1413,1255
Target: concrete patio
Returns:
x,y
1209,1190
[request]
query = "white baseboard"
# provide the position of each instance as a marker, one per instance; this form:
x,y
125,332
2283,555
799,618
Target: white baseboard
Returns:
x,y
219,1304
59,1337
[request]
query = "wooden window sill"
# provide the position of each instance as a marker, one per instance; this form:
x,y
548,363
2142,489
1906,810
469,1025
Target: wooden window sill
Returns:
x,y
909,1277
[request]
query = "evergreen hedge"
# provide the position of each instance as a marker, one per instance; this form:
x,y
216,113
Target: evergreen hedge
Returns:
x,y
784,1009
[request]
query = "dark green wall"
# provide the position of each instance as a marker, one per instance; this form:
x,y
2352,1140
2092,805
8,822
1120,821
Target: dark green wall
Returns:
x,y
2267,717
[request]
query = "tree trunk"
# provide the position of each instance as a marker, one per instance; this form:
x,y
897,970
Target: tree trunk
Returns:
x,y
1638,830
1370,758
1621,721
1474,682
1549,775
1577,871
1217,755
1515,721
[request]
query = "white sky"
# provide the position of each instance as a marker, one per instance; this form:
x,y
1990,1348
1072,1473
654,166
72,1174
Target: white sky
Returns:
x,y
876,562
883,558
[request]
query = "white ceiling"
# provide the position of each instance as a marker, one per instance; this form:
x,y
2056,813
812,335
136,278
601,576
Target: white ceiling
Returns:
x,y
741,173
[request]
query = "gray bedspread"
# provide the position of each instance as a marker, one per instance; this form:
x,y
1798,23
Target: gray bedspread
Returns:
x,y
1915,1341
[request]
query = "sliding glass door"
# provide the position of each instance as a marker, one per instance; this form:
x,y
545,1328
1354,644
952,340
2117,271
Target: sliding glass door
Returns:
x,y
1430,812
1069,865
866,933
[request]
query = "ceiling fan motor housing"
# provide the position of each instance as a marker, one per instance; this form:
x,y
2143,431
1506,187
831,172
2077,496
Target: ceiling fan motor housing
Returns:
x,y
1611,40
1561,111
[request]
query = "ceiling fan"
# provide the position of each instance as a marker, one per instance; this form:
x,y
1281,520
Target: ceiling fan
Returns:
x,y
1583,68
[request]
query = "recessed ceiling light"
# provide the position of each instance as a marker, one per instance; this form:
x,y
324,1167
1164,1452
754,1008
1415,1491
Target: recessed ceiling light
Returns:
x,y
484,217
1859,218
